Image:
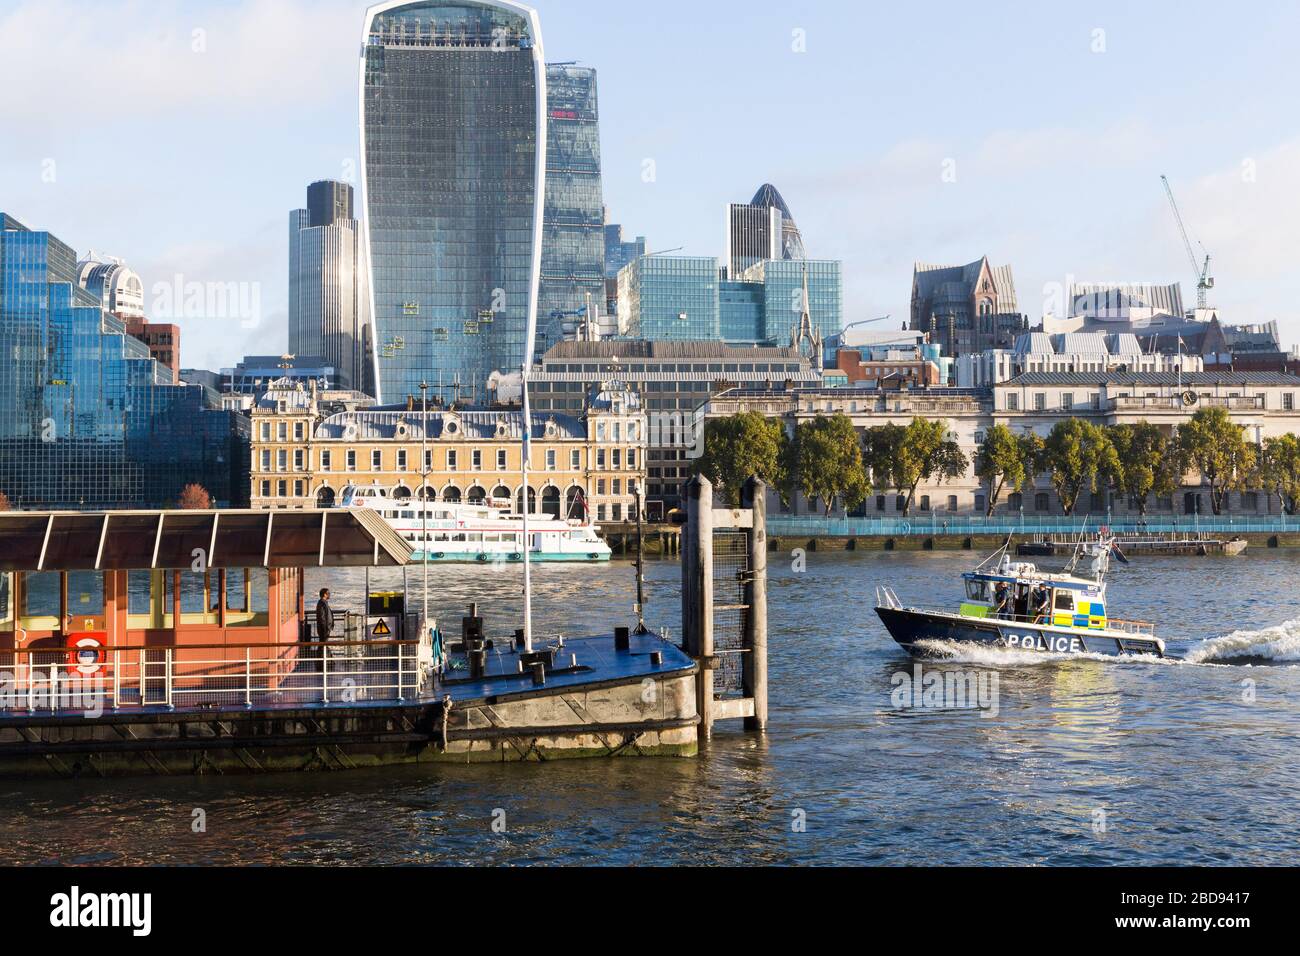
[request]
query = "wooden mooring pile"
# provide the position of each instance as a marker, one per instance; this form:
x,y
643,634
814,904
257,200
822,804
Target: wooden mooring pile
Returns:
x,y
724,604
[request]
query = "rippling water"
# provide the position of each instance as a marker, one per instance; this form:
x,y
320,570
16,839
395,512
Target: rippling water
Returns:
x,y
1188,762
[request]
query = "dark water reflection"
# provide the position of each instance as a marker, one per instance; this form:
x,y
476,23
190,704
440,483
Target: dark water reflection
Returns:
x,y
1184,768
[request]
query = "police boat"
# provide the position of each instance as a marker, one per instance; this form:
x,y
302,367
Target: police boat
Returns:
x,y
1016,605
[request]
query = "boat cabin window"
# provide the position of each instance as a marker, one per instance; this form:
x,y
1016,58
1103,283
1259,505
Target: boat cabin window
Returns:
x,y
977,590
1064,601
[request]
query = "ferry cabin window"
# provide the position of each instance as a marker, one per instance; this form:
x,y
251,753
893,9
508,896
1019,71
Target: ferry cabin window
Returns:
x,y
40,611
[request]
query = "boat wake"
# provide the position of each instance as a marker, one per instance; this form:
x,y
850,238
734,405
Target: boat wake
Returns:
x,y
984,655
1270,646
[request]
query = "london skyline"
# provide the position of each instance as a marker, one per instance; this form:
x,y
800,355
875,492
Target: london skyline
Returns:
x,y
883,159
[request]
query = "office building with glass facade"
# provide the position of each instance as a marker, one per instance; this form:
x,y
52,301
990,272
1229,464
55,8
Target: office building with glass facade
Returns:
x,y
667,298
783,300
684,299
88,419
454,130
573,236
742,313
328,301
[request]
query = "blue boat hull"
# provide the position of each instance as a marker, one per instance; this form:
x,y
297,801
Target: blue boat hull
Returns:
x,y
909,628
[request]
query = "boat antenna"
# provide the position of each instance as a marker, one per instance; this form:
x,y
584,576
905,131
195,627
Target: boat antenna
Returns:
x,y
1006,547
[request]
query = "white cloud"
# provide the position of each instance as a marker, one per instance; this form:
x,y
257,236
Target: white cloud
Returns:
x,y
116,65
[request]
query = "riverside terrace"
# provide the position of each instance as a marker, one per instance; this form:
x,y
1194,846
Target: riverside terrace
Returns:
x,y
175,642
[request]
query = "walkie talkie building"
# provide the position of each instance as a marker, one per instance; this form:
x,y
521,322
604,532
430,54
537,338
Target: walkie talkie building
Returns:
x,y
453,123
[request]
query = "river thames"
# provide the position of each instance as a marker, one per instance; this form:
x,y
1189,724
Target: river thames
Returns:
x,y
1084,762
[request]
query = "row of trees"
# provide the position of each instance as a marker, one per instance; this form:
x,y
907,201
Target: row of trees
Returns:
x,y
1140,460
827,459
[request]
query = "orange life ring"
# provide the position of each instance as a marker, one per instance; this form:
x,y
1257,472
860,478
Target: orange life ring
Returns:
x,y
86,654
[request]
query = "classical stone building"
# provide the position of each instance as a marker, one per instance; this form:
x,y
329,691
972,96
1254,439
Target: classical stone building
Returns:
x,y
1264,404
304,457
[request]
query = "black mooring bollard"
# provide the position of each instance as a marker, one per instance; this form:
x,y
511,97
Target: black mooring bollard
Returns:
x,y
539,674
622,639
656,659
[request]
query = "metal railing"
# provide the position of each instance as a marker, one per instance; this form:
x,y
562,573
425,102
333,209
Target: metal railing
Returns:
x,y
212,676
1175,403
937,524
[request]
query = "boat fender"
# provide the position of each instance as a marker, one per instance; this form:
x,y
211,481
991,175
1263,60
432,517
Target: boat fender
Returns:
x,y
86,653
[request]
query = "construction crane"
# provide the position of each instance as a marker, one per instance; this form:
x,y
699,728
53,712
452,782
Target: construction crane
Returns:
x,y
1205,281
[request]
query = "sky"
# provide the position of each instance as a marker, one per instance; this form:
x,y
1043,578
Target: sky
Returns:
x,y
178,135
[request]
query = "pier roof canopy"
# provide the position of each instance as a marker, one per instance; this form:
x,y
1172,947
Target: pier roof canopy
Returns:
x,y
176,540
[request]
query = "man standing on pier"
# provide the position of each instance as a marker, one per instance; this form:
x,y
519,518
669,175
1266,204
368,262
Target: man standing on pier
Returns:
x,y
324,620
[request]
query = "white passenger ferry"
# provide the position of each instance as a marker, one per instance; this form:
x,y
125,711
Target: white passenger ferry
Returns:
x,y
479,533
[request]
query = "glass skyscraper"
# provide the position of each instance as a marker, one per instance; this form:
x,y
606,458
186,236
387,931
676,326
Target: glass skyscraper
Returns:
x,y
761,229
328,299
453,119
573,242
88,419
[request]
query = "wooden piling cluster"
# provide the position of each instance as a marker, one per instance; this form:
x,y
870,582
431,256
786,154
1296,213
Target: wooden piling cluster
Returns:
x,y
699,608
663,540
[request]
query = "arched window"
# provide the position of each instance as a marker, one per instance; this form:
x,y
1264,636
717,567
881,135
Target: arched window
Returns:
x,y
551,501
325,497
401,493
532,501
476,495
501,493
427,494
451,495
